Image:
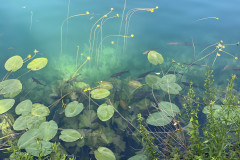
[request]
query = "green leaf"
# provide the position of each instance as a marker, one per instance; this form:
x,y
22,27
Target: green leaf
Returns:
x,y
24,107
35,121
70,135
10,88
39,147
6,104
105,112
40,110
73,109
47,130
99,93
37,64
14,63
27,138
103,153
87,119
105,85
21,123
138,157
135,84
155,58
153,81
169,78
171,88
169,108
158,119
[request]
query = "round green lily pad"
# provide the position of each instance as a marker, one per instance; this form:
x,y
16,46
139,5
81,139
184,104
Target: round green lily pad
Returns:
x,y
158,119
35,121
14,63
39,147
37,64
70,135
105,112
20,123
169,108
155,58
171,88
153,81
99,93
103,153
105,85
40,110
47,130
73,109
24,107
169,78
27,138
6,104
10,88
135,84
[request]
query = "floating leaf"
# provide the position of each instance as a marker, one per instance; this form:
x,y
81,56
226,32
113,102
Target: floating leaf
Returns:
x,y
135,84
73,109
153,81
169,78
171,88
105,85
24,107
138,157
99,93
35,121
6,104
27,138
155,57
103,153
39,147
70,135
47,130
40,110
169,108
105,112
158,119
21,123
10,87
14,63
37,64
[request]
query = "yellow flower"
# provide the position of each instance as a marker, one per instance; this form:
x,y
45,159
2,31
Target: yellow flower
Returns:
x,y
117,15
98,25
112,42
217,18
88,58
178,64
156,7
218,54
236,58
29,56
220,49
217,46
35,51
112,9
132,35
87,13
223,46
173,61
151,10
221,41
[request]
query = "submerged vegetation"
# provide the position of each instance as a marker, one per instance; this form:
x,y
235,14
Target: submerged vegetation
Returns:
x,y
164,113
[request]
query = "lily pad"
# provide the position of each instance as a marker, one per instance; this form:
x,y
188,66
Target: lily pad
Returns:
x,y
153,81
155,58
10,88
169,78
169,108
70,135
40,110
37,64
24,107
158,119
20,123
99,93
73,109
135,84
35,121
14,63
27,138
171,88
6,104
47,130
105,85
103,153
39,147
105,112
